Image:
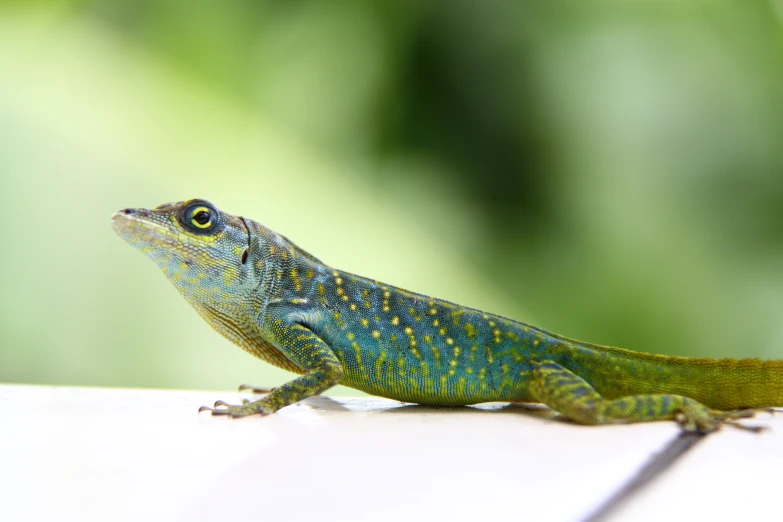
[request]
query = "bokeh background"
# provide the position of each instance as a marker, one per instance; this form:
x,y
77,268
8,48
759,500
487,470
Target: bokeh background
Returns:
x,y
611,171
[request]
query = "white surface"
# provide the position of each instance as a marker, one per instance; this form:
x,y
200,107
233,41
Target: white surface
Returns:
x,y
730,476
112,454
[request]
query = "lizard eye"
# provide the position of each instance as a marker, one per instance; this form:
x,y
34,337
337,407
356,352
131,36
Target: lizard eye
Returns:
x,y
201,217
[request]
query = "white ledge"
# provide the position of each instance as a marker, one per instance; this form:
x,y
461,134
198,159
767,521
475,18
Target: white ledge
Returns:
x,y
117,454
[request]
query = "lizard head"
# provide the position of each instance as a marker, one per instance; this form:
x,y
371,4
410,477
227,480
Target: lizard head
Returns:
x,y
201,250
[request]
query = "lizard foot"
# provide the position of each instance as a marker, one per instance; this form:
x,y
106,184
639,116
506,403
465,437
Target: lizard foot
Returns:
x,y
260,390
698,418
730,418
229,410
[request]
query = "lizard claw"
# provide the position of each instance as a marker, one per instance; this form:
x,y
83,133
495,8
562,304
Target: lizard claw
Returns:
x,y
217,409
740,426
255,389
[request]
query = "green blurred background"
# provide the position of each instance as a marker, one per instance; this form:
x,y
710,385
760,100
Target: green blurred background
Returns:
x,y
611,171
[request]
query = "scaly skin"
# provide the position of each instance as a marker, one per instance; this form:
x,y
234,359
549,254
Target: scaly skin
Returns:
x,y
283,305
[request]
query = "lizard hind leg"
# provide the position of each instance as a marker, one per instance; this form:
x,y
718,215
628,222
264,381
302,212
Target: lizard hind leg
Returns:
x,y
572,396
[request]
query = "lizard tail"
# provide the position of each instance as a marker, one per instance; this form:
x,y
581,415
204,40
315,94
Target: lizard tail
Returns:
x,y
722,384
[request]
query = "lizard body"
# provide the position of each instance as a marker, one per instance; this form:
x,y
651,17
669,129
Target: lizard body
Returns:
x,y
283,305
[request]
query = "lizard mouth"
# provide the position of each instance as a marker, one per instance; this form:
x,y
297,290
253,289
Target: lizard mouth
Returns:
x,y
134,227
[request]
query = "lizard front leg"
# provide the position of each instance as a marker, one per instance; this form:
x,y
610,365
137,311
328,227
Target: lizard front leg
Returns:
x,y
571,395
309,352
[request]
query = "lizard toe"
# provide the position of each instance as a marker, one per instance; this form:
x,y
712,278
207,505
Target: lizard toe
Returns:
x,y
259,390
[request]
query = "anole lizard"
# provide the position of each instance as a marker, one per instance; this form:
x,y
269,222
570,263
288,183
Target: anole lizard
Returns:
x,y
283,305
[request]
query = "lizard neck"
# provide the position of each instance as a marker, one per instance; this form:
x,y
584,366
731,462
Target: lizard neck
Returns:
x,y
288,274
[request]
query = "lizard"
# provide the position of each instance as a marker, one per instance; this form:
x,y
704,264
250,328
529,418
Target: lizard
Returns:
x,y
282,304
